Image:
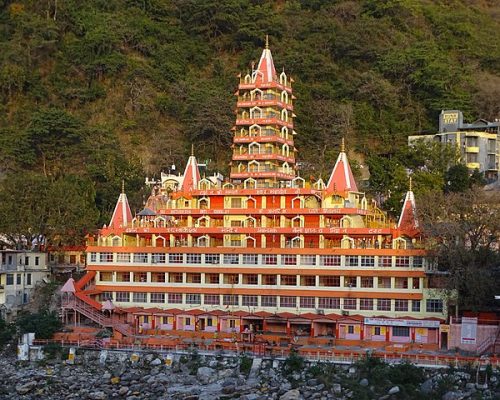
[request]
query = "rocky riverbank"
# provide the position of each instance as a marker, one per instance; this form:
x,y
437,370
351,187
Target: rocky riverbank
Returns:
x,y
121,375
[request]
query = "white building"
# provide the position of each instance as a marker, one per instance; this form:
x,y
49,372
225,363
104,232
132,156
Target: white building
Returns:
x,y
20,272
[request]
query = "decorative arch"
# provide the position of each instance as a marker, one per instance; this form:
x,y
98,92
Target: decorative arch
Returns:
x,y
203,221
256,94
160,241
283,78
298,202
253,128
204,184
253,166
347,243
116,241
296,242
203,203
251,202
247,79
254,148
400,242
284,132
250,222
250,183
319,184
229,185
250,241
298,221
203,241
284,114
346,222
298,182
284,96
160,222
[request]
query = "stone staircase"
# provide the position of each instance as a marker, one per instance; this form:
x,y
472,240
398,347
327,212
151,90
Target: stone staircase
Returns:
x,y
79,305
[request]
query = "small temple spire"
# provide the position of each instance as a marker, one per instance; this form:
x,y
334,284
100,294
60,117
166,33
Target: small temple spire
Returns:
x,y
408,218
342,179
410,185
192,149
122,214
267,42
191,174
123,186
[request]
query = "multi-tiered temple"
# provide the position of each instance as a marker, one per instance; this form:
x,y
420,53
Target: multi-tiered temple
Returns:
x,y
264,251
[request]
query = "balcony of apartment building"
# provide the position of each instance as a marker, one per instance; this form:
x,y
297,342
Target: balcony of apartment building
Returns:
x,y
264,99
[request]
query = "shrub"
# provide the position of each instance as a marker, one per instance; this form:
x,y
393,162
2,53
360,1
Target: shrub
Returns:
x,y
245,364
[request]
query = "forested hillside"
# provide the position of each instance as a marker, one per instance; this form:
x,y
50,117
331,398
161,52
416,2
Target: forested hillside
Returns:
x,y
96,91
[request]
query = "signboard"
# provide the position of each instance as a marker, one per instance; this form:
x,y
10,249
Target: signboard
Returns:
x,y
469,330
444,328
412,323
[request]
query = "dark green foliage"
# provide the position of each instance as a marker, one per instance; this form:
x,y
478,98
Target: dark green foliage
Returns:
x,y
44,324
245,364
294,363
112,90
6,332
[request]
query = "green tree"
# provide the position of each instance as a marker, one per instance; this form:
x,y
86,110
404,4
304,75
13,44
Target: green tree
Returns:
x,y
43,324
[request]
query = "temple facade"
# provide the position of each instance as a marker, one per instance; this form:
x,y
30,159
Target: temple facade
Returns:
x,y
264,250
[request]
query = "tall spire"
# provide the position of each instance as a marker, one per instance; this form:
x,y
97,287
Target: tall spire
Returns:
x,y
122,214
342,179
191,174
408,218
265,72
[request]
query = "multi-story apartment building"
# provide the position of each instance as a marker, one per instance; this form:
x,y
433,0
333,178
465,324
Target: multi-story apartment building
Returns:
x,y
478,143
20,272
265,250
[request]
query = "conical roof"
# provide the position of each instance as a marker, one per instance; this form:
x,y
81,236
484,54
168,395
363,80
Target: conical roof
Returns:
x,y
122,214
342,179
191,175
408,218
265,72
69,286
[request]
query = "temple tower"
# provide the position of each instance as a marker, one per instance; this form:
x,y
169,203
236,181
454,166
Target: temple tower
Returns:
x,y
263,147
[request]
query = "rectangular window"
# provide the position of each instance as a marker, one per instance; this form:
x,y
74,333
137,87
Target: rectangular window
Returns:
x,y
308,259
140,276
105,257
123,276
307,280
329,261
158,277
28,279
366,304
288,301
307,302
210,322
351,261
158,258
211,299
366,281
123,257
350,281
252,301
139,297
289,259
231,279
415,306
232,323
212,258
93,257
193,258
384,283
157,297
329,281
268,301
105,276
401,331
175,298
350,329
37,261
269,259
19,279
385,261
400,305
416,283
383,304
106,296
418,262
367,261
212,279
250,259
349,304
123,297
231,259
193,277
401,283
434,305
236,202
269,279
175,277
187,321
230,300
176,258
376,330
141,258
288,280
250,279
402,262
27,260
329,303
193,298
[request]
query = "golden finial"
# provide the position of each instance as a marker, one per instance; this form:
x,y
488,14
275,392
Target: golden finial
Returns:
x,y
342,145
410,188
192,149
123,186
267,41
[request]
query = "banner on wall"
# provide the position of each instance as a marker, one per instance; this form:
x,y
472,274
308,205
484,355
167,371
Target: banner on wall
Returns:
x,y
412,323
469,330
